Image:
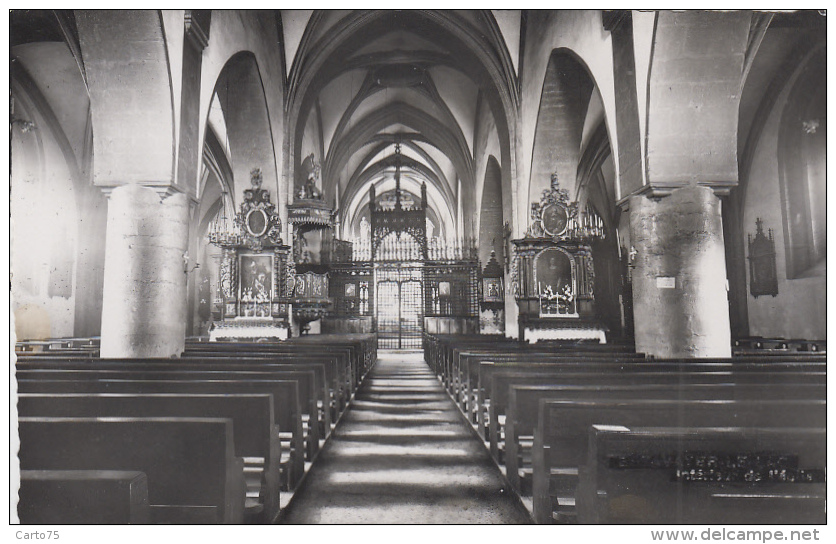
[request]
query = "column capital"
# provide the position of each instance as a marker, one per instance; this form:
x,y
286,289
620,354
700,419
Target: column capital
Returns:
x,y
164,190
197,23
660,190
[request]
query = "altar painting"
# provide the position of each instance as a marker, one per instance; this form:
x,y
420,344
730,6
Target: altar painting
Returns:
x,y
256,285
554,276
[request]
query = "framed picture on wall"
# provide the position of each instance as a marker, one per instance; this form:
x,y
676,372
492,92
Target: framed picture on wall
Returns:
x,y
350,289
555,219
492,289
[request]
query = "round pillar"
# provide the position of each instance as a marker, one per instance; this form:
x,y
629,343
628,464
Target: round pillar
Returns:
x,y
680,303
145,301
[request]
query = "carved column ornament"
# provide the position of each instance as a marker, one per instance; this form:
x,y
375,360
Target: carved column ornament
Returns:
x,y
557,218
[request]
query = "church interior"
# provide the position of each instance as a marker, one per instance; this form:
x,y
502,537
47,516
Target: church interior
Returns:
x,y
418,266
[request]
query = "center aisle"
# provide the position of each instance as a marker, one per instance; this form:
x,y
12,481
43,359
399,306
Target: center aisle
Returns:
x,y
402,453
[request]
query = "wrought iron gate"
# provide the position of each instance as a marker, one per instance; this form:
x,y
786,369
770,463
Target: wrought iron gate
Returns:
x,y
399,305
397,268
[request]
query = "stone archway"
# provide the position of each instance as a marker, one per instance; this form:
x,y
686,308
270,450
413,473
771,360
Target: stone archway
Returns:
x,y
567,89
491,224
241,96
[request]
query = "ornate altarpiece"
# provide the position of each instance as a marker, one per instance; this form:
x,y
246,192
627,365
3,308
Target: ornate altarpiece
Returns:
x,y
251,301
553,273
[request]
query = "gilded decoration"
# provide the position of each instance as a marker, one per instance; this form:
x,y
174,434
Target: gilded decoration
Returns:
x,y
257,220
552,271
557,218
251,269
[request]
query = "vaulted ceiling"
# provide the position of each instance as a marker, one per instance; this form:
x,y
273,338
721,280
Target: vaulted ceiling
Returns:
x,y
361,82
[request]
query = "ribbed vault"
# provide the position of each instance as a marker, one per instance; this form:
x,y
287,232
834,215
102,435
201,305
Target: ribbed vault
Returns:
x,y
362,81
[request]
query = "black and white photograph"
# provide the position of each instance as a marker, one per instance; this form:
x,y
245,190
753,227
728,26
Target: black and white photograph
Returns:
x,y
449,268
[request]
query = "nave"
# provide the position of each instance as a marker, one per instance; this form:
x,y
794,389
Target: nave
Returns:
x,y
607,228
403,454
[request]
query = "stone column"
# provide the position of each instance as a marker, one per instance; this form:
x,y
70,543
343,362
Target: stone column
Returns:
x,y
144,308
680,303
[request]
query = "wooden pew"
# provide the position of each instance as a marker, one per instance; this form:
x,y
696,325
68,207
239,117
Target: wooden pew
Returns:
x,y
443,352
466,360
336,343
438,349
193,473
330,372
287,413
364,343
345,383
461,356
500,383
458,348
475,388
562,435
766,346
209,364
524,400
358,349
328,349
80,345
791,364
256,437
698,476
333,366
308,395
92,497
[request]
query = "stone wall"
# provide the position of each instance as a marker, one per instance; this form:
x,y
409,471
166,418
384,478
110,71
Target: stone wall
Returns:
x,y
800,308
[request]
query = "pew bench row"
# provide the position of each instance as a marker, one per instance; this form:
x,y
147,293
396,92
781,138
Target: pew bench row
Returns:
x,y
193,473
535,411
276,402
96,496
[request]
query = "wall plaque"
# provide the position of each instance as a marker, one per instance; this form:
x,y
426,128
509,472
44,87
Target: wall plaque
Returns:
x,y
763,276
663,282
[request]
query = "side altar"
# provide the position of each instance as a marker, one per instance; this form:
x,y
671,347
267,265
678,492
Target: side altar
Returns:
x,y
252,300
553,272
